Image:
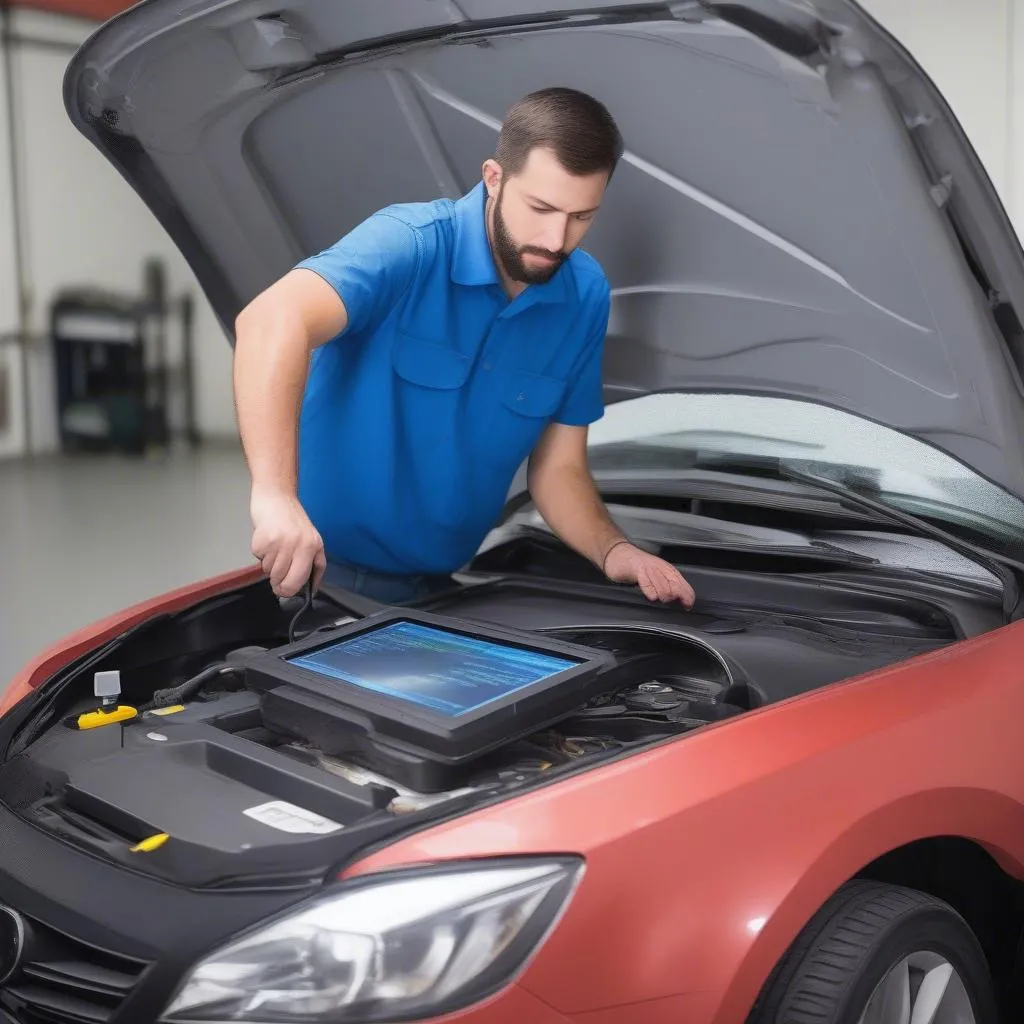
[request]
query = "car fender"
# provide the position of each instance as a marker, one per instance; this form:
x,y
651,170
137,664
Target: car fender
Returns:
x,y
992,820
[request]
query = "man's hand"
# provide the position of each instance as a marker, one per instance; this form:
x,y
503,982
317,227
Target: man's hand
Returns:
x,y
286,543
564,492
659,580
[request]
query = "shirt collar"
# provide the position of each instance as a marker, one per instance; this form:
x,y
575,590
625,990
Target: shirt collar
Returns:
x,y
473,262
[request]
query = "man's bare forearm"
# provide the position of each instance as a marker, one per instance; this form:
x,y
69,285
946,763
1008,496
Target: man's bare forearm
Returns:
x,y
270,367
568,500
274,337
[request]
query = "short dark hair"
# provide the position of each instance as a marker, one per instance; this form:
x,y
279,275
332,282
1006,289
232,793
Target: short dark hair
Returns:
x,y
578,128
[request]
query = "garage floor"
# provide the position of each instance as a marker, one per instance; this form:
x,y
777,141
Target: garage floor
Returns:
x,y
83,537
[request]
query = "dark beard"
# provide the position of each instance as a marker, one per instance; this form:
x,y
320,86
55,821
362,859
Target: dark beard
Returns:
x,y
511,257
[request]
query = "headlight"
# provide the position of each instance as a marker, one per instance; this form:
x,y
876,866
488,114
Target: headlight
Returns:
x,y
403,945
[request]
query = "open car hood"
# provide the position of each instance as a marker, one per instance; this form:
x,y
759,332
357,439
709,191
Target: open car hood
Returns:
x,y
797,212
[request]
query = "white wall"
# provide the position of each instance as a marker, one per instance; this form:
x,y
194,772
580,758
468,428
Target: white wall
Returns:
x,y
1015,118
967,49
84,226
8,307
10,439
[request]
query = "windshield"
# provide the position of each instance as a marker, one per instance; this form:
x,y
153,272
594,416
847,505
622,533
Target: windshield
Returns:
x,y
678,430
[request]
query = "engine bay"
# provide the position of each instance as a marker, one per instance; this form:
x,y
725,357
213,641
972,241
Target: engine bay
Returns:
x,y
246,791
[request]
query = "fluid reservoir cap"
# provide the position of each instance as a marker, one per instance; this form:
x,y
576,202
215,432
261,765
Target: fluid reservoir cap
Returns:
x,y
107,686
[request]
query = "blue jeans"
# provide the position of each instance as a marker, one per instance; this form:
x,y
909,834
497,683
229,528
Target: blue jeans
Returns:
x,y
384,587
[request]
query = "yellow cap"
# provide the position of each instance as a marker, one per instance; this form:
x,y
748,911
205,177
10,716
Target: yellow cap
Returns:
x,y
172,710
152,843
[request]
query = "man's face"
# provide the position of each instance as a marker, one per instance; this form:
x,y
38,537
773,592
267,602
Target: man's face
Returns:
x,y
540,215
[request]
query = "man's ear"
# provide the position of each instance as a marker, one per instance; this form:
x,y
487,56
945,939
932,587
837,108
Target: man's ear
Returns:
x,y
492,177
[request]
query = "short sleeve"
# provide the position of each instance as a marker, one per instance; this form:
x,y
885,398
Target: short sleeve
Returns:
x,y
370,268
584,400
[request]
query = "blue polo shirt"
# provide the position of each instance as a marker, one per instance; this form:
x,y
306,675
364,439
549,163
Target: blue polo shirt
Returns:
x,y
417,416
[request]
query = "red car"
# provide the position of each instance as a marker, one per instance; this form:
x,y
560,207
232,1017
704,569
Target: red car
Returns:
x,y
538,797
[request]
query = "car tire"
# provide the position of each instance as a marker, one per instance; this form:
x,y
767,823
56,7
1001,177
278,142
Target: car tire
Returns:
x,y
869,949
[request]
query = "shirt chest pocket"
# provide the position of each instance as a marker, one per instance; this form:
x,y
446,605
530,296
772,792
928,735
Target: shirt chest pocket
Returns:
x,y
527,404
429,365
531,395
430,392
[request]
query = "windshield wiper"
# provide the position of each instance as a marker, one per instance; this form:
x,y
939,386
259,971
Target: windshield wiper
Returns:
x,y
1002,568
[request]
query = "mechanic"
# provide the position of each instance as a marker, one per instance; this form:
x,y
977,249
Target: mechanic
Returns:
x,y
388,388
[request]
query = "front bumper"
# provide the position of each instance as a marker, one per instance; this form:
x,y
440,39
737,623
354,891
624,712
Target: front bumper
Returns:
x,y
104,944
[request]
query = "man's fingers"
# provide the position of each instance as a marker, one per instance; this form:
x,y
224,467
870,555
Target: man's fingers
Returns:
x,y
684,592
653,586
646,585
660,581
279,570
666,585
296,577
298,574
319,568
265,555
681,590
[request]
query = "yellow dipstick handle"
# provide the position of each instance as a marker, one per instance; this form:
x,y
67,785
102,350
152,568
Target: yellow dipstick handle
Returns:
x,y
94,719
152,843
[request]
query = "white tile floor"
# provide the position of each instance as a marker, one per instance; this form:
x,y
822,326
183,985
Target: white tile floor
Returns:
x,y
83,537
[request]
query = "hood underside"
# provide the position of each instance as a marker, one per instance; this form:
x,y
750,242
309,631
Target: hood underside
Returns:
x,y
797,212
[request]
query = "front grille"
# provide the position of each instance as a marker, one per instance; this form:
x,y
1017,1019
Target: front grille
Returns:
x,y
66,981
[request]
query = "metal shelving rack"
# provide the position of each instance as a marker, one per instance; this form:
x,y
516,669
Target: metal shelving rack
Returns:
x,y
114,379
